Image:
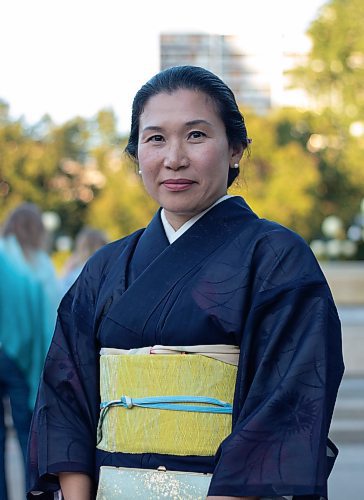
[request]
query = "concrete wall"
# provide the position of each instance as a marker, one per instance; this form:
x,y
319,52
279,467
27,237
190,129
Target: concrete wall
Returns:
x,y
346,280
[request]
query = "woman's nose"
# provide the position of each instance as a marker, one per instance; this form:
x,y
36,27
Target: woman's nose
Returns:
x,y
175,157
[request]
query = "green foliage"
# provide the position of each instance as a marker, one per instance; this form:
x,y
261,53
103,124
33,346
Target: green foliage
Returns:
x,y
334,73
340,186
279,179
75,169
304,165
333,76
123,205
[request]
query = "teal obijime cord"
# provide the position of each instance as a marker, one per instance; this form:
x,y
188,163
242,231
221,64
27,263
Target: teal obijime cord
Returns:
x,y
174,403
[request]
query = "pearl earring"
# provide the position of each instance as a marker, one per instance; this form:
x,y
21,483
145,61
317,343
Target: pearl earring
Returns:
x,y
236,165
139,172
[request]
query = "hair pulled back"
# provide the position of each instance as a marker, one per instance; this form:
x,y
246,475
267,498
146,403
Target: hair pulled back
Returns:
x,y
197,79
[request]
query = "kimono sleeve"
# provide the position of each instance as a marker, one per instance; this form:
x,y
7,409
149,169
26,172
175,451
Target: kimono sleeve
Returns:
x,y
62,437
289,372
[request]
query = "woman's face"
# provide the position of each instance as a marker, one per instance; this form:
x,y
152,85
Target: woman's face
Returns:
x,y
183,153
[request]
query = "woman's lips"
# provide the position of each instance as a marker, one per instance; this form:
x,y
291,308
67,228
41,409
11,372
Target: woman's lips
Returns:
x,y
178,184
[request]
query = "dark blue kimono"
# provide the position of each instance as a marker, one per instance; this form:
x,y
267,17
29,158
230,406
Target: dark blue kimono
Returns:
x,y
232,278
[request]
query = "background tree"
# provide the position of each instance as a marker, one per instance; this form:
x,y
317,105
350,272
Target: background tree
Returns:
x,y
123,205
304,165
333,77
51,170
63,168
334,73
278,179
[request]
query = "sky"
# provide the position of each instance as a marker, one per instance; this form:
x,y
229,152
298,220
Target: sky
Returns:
x,y
74,57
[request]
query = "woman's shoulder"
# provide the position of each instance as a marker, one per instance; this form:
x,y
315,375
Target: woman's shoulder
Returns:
x,y
278,236
263,231
281,256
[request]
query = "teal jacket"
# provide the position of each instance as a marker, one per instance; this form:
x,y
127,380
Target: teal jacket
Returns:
x,y
27,313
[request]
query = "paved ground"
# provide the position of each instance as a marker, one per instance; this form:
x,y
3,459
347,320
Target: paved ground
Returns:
x,y
352,320
347,431
347,478
15,470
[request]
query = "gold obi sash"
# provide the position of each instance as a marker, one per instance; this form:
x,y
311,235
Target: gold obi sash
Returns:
x,y
130,428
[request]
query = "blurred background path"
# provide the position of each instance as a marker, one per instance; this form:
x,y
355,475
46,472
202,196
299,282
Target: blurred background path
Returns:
x,y
346,280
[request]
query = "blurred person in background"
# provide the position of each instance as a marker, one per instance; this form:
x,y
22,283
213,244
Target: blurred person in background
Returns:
x,y
20,349
87,242
27,311
24,241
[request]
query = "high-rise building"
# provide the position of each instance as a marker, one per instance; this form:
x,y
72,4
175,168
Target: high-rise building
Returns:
x,y
257,79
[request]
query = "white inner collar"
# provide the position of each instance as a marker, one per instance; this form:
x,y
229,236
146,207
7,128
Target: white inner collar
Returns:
x,y
173,235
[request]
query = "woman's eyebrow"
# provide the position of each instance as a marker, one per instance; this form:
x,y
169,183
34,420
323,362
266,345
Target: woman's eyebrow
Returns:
x,y
152,127
191,123
198,122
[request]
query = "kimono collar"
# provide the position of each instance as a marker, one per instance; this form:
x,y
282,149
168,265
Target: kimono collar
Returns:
x,y
156,271
172,234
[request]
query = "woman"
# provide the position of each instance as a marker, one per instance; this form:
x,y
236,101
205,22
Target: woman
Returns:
x,y
20,304
206,271
24,242
27,320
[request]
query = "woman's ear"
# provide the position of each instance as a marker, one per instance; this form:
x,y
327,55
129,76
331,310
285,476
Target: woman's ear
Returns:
x,y
236,154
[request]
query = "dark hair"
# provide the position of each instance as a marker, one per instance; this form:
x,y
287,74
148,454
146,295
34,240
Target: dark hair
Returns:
x,y
198,79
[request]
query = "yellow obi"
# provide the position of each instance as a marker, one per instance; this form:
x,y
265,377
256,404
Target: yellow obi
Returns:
x,y
146,430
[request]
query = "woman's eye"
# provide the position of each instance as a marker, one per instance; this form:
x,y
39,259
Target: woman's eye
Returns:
x,y
196,134
156,138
